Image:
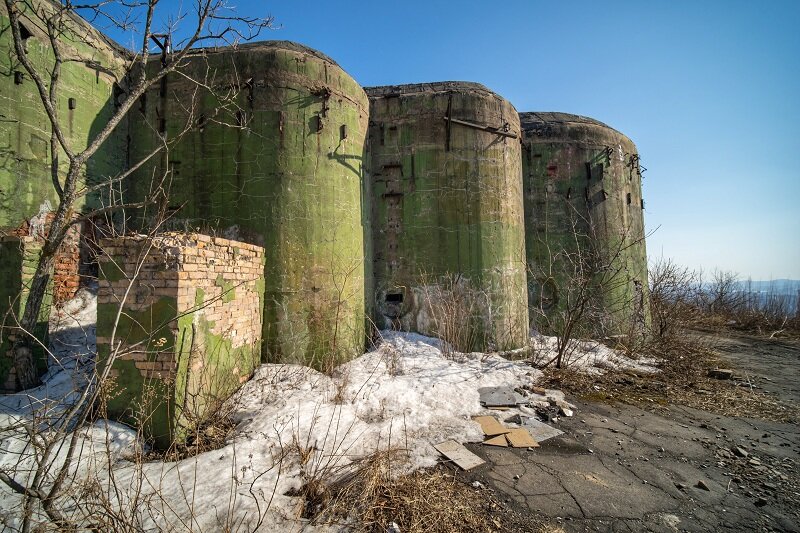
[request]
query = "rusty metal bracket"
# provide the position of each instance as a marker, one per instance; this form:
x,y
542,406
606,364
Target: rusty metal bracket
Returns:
x,y
502,130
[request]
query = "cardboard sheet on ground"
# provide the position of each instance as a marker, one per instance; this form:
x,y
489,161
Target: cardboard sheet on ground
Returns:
x,y
457,453
539,430
499,440
491,426
520,438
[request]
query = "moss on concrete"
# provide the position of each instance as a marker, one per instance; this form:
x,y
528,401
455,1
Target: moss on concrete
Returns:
x,y
289,180
582,196
18,259
446,207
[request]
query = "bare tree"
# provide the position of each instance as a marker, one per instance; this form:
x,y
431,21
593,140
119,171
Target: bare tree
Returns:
x,y
208,22
673,296
584,286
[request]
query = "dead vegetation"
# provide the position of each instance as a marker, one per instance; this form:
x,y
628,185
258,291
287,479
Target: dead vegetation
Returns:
x,y
372,498
684,379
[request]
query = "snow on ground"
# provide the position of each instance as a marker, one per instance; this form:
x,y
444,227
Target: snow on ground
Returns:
x,y
294,424
591,357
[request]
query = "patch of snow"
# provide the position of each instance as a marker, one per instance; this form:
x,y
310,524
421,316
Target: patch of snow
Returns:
x,y
591,357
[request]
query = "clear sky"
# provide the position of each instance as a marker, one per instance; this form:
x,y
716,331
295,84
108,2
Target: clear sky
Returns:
x,y
709,92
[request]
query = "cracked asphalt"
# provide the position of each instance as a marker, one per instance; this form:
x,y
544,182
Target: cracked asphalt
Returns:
x,y
674,468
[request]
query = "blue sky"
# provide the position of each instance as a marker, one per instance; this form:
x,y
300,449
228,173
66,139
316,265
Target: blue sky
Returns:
x,y
709,92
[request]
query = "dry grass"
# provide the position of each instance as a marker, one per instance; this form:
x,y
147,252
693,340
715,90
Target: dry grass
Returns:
x,y
683,380
430,501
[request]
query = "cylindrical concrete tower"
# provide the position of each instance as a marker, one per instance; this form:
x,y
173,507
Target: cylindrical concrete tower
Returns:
x,y
447,216
584,221
275,159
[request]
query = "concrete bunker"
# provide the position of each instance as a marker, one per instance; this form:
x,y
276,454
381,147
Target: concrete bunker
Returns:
x,y
278,163
446,213
583,202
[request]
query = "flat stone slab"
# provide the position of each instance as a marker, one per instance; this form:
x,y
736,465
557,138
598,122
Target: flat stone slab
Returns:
x,y
539,430
500,396
457,453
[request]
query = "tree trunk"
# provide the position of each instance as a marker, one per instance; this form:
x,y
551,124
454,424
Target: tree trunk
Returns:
x,y
27,375
24,364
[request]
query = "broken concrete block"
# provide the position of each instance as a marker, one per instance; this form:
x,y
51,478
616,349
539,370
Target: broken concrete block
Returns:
x,y
738,451
720,373
499,396
539,430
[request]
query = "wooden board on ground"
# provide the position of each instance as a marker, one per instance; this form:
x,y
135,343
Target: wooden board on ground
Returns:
x,y
491,426
520,438
457,453
499,440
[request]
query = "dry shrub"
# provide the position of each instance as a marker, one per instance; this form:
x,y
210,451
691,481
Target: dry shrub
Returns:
x,y
457,309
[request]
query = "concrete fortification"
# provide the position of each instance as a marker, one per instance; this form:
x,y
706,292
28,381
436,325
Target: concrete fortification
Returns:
x,y
277,162
584,212
446,212
307,212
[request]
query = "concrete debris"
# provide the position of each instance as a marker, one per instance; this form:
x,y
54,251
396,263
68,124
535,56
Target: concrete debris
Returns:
x,y
513,419
500,396
720,373
458,454
738,451
539,430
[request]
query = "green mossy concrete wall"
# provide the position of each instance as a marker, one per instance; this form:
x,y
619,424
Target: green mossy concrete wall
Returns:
x,y
583,189
281,169
26,189
18,258
446,207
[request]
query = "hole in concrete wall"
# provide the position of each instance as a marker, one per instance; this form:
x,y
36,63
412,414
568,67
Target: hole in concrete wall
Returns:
x,y
394,297
24,32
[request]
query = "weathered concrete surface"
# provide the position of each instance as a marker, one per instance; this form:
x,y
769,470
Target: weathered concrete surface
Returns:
x,y
446,209
622,468
583,191
279,165
92,67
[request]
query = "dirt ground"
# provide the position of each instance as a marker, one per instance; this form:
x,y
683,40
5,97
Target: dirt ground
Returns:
x,y
651,466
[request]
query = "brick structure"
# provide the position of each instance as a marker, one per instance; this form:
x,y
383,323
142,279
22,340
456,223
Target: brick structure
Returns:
x,y
190,332
18,258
